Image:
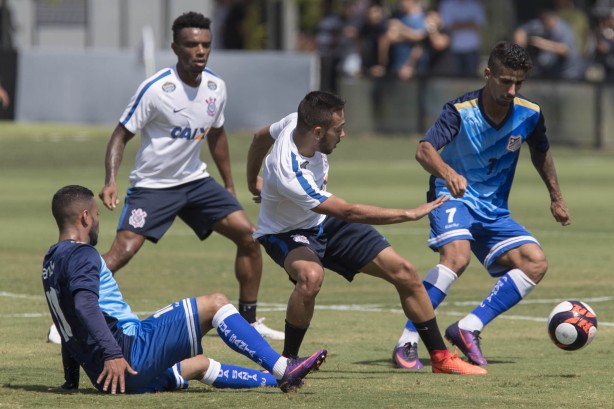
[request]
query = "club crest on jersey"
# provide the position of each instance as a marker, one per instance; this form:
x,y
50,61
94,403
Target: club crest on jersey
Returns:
x,y
513,144
212,85
211,109
137,218
299,238
168,87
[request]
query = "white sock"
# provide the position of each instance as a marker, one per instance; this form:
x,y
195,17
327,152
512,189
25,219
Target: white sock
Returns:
x,y
441,277
212,372
408,337
279,369
471,323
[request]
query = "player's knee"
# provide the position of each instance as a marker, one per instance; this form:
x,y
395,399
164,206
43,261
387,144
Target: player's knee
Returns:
x,y
457,262
536,268
214,301
309,282
406,276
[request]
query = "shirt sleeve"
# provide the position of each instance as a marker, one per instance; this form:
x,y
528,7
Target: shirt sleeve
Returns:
x,y
445,128
537,139
276,128
90,314
139,109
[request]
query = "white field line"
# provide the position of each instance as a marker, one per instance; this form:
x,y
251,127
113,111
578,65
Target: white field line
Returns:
x,y
377,308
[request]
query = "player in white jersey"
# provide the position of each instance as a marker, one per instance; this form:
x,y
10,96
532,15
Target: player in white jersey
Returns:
x,y
305,229
480,135
175,111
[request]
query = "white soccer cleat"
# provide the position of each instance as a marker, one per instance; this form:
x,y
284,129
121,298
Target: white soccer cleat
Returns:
x,y
53,335
267,332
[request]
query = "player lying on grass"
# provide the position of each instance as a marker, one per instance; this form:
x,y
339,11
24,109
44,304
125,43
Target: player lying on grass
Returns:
x,y
306,229
136,358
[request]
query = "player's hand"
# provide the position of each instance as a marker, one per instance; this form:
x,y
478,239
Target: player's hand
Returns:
x,y
456,184
113,374
108,195
422,210
255,188
560,212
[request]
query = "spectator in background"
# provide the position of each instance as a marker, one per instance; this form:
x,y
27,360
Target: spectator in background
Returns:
x,y
371,36
604,51
552,46
404,33
233,29
464,20
577,21
436,44
4,98
336,40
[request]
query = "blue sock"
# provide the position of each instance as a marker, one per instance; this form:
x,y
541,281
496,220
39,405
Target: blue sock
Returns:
x,y
243,338
507,292
435,294
236,377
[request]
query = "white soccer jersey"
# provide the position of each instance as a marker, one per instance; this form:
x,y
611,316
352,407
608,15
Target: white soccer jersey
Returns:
x,y
292,184
174,119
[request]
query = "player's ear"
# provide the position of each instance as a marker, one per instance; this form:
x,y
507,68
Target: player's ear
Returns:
x,y
487,73
318,131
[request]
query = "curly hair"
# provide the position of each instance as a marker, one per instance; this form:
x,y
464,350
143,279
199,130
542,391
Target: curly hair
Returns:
x,y
511,56
190,19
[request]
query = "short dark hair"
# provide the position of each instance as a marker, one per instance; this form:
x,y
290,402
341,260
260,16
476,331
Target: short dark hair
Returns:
x,y
511,56
317,109
63,200
191,19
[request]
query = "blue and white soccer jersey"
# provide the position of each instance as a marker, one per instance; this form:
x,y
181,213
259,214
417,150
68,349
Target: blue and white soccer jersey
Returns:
x,y
292,184
174,120
486,155
158,343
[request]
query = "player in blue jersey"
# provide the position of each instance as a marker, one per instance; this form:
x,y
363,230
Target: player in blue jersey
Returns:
x,y
176,110
471,152
120,353
305,228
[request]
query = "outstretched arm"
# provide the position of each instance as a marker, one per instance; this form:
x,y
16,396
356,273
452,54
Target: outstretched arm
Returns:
x,y
367,214
432,162
261,143
544,164
218,146
112,161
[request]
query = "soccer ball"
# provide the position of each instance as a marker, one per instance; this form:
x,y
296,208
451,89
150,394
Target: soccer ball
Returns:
x,y
572,325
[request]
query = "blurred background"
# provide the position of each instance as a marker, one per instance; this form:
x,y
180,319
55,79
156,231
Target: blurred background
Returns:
x,y
395,61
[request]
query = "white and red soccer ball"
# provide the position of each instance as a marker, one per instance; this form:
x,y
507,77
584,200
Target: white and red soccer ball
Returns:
x,y
572,325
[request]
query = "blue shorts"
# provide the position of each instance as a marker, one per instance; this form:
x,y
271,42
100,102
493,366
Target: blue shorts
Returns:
x,y
344,248
200,204
489,239
163,339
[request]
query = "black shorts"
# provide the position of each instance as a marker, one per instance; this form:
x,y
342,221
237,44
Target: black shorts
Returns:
x,y
200,204
344,248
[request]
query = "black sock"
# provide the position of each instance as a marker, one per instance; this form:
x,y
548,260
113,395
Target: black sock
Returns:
x,y
430,335
294,339
247,309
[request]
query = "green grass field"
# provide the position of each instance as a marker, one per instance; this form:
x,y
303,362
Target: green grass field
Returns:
x,y
358,323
